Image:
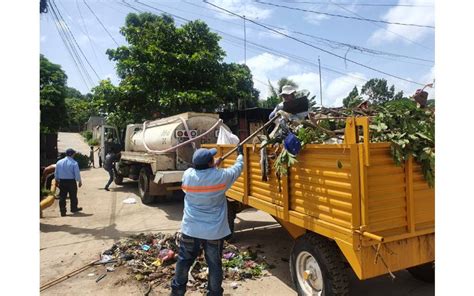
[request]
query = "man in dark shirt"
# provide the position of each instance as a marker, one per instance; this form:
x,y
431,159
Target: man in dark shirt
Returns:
x,y
109,166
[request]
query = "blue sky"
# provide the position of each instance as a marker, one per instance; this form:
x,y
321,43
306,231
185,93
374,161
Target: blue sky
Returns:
x,y
269,55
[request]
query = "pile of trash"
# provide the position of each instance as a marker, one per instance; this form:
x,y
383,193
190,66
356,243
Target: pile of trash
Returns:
x,y
151,258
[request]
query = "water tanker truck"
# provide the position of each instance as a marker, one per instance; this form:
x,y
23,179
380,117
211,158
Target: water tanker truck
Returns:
x,y
156,153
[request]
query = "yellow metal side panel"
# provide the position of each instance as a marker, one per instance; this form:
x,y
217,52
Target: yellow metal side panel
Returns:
x,y
321,185
398,255
387,207
424,200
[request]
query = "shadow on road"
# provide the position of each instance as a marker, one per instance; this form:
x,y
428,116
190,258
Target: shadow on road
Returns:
x,y
102,233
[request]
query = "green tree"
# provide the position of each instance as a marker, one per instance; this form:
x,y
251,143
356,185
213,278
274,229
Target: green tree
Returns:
x,y
353,99
171,70
378,91
52,96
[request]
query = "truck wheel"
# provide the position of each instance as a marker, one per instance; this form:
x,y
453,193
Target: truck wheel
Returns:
x,y
231,215
118,180
144,185
424,272
317,268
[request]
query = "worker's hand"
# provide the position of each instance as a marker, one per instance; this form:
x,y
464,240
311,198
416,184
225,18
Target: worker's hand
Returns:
x,y
80,183
240,150
218,162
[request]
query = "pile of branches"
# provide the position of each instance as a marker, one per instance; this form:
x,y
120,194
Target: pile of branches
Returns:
x,y
409,129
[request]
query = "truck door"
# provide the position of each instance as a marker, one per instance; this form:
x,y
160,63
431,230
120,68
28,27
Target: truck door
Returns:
x,y
109,140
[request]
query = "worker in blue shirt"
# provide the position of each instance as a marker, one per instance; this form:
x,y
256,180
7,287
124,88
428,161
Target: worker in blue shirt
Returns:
x,y
205,217
66,175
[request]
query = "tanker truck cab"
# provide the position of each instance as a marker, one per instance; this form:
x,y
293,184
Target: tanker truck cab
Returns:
x,y
108,138
156,155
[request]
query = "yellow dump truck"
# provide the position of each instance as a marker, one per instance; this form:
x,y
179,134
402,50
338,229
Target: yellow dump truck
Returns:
x,y
344,203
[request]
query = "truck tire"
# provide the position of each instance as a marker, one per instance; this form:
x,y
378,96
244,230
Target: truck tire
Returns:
x,y
144,186
317,268
424,272
118,180
231,215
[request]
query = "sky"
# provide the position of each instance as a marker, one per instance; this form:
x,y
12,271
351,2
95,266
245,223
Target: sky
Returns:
x,y
301,33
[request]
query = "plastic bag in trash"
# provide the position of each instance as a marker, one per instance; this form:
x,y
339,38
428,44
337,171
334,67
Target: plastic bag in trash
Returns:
x,y
226,137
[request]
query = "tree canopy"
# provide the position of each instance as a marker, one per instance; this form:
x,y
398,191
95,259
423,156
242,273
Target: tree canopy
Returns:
x,y
170,69
53,92
352,98
378,91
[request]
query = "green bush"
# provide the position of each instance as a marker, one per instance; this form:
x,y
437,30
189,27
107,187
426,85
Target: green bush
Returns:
x,y
93,142
87,135
82,160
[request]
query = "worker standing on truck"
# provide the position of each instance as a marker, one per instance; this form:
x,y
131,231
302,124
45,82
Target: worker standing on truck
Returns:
x,y
288,93
66,175
205,217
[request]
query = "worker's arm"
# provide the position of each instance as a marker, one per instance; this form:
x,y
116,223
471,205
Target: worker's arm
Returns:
x,y
232,173
274,112
77,174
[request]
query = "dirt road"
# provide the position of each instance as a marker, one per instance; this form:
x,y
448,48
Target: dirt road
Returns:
x,y
70,242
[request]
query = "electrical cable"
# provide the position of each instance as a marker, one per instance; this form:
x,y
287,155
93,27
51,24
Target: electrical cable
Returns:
x,y
344,16
100,22
67,43
74,39
316,47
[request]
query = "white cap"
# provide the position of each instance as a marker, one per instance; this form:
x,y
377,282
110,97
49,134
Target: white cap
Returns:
x,y
287,90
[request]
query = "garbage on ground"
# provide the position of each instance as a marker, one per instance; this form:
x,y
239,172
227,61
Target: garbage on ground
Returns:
x,y
152,258
130,200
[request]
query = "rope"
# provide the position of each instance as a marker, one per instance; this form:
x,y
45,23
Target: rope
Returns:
x,y
171,149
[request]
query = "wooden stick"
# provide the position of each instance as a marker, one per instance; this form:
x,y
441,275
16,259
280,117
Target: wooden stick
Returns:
x,y
250,137
66,276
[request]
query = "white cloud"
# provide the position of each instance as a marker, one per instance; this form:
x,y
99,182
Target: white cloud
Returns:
x,y
261,67
340,87
241,7
408,15
43,38
309,81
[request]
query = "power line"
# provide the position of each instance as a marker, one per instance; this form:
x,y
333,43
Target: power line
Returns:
x,y
61,33
123,3
360,4
69,41
279,53
74,39
352,46
385,29
88,36
343,16
325,41
316,47
97,18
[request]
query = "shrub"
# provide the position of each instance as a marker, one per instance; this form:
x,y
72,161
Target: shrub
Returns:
x,y
87,135
93,142
82,160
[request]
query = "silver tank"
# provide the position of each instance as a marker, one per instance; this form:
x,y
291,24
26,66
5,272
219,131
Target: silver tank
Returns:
x,y
168,132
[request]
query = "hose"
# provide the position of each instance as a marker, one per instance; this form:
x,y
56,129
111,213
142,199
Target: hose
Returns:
x,y
171,149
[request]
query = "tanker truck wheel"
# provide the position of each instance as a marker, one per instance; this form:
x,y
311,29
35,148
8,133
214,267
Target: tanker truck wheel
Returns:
x,y
144,185
424,272
118,180
317,268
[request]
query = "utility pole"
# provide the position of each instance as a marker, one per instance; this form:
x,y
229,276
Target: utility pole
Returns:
x,y
320,84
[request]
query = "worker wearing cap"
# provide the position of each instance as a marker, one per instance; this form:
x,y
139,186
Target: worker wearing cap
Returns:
x,y
288,94
66,175
205,217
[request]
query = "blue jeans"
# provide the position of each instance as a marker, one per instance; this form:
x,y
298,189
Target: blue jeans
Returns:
x,y
111,177
189,248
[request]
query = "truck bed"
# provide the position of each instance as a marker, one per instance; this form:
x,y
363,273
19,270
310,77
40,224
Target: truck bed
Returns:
x,y
351,193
